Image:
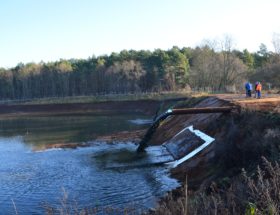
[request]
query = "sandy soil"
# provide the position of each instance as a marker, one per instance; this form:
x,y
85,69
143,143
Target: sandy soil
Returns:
x,y
268,103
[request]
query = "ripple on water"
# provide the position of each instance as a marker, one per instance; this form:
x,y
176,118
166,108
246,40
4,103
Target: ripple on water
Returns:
x,y
141,121
31,178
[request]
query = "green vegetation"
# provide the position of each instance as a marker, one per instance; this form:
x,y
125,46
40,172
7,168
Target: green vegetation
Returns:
x,y
204,68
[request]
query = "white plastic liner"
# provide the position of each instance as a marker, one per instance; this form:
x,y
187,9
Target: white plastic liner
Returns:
x,y
208,140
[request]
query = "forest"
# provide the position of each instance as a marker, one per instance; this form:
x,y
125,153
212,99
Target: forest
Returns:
x,y
209,67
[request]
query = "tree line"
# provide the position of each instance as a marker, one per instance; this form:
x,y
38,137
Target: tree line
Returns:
x,y
205,67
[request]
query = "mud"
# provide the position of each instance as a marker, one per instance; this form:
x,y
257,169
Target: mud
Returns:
x,y
125,136
114,107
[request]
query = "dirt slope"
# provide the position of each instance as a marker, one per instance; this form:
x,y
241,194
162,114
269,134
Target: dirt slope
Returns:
x,y
242,140
217,125
267,104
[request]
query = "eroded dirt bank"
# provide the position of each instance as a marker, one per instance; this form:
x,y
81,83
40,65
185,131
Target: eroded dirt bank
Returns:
x,y
242,138
114,107
225,128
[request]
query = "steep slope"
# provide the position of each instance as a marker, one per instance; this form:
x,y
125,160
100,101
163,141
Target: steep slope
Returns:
x,y
242,139
230,131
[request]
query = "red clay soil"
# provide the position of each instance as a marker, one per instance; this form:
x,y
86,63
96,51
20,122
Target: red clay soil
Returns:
x,y
199,168
234,129
268,103
174,124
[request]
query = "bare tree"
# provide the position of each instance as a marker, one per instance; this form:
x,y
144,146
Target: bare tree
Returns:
x,y
216,67
203,73
232,68
276,42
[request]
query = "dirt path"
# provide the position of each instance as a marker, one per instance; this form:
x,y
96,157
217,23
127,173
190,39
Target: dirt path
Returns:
x,y
269,103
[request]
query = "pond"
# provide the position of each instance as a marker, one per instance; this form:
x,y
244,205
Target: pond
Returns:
x,y
32,179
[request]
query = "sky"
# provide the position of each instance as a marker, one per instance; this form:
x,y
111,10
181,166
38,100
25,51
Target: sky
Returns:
x,y
49,30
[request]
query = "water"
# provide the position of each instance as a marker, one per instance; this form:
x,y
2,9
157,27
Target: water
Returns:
x,y
39,131
32,178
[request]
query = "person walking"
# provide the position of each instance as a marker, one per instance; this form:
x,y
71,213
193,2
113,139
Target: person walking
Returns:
x,y
248,87
256,84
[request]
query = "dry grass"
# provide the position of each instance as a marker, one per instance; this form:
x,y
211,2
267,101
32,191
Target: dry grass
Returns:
x,y
258,194
264,191
106,97
246,138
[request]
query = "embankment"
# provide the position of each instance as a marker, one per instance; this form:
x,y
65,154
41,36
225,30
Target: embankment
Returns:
x,y
113,107
242,138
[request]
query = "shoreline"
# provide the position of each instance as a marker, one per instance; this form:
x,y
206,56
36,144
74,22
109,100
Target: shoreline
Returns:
x,y
99,108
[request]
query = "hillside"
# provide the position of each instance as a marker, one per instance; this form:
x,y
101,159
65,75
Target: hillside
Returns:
x,y
242,139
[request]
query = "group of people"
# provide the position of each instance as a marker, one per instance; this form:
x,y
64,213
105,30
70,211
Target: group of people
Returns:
x,y
249,88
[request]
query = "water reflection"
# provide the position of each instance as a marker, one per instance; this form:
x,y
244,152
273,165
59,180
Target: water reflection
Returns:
x,y
30,178
39,131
